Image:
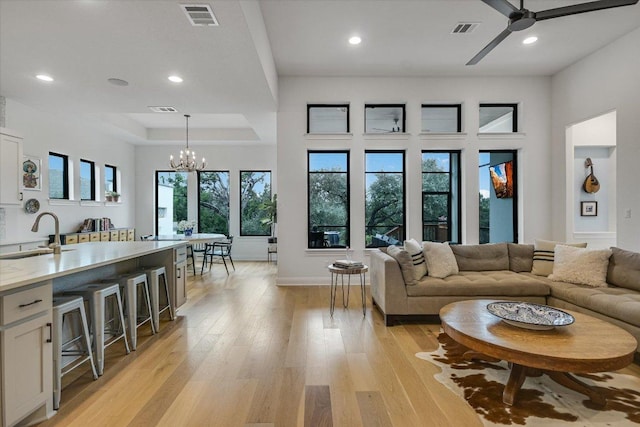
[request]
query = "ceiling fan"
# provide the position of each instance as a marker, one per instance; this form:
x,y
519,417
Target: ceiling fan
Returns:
x,y
521,19
394,129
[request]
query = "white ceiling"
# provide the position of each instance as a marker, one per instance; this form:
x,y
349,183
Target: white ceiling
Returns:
x,y
229,71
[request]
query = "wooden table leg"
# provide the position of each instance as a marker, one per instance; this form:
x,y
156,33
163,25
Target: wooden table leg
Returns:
x,y
516,379
571,382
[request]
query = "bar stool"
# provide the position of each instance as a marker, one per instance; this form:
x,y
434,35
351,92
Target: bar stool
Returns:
x,y
129,283
153,278
97,294
63,308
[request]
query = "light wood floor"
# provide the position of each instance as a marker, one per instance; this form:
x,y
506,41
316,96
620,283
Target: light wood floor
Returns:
x,y
245,352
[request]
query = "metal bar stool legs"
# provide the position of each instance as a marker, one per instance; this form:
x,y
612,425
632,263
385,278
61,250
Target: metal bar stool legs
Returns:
x,y
154,274
130,283
78,344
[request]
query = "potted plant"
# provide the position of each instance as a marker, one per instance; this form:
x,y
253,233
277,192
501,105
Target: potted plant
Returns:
x,y
115,196
186,226
108,197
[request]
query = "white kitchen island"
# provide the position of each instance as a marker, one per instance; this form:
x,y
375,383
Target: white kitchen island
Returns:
x,y
27,286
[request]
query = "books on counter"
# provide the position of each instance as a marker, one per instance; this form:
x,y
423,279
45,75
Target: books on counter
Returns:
x,y
347,263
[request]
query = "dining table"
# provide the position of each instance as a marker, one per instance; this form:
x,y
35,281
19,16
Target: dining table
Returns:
x,y
197,240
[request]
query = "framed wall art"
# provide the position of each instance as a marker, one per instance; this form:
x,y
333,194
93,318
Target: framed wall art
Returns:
x,y
31,173
588,208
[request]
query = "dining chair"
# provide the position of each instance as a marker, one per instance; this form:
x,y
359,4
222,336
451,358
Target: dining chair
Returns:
x,y
191,255
218,249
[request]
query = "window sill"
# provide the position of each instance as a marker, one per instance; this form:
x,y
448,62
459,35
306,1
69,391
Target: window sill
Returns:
x,y
90,203
63,202
390,135
443,135
328,135
501,135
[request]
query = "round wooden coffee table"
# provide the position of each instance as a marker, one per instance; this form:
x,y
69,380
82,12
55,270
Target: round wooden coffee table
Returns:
x,y
588,345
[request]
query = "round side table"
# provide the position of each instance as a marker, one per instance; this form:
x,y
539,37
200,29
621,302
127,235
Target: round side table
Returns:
x,y
341,272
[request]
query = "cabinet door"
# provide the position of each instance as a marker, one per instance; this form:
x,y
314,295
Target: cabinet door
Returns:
x,y
181,283
27,367
10,173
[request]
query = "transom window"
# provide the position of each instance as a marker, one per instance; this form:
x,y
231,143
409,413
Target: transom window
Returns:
x,y
255,196
441,118
384,118
498,118
110,178
441,210
328,199
384,201
87,180
327,118
58,176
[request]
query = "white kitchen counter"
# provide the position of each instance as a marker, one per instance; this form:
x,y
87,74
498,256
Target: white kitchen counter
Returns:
x,y
74,259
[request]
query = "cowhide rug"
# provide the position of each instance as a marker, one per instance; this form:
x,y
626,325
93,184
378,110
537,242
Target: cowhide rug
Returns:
x,y
540,401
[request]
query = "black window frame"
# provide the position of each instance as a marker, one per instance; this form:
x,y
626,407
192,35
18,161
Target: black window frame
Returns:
x,y
199,220
115,176
339,105
450,237
269,232
347,227
515,197
92,183
514,124
404,116
404,190
458,108
65,176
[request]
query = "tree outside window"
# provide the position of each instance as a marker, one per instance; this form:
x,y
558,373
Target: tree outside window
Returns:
x,y
441,196
213,202
255,196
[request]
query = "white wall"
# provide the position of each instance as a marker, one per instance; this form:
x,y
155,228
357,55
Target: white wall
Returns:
x,y
602,82
233,157
76,137
297,264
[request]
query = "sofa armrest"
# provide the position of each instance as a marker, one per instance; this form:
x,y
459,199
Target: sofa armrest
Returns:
x,y
387,285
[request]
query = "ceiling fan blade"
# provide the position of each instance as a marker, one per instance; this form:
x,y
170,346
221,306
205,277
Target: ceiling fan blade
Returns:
x,y
582,8
503,6
488,48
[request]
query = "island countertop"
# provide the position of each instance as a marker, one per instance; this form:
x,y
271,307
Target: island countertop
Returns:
x,y
15,273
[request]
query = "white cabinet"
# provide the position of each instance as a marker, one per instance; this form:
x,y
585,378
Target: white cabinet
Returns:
x,y
11,165
26,353
180,291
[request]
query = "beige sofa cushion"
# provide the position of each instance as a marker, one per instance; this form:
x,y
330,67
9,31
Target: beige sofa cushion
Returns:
x,y
520,257
624,269
619,303
486,257
406,264
440,259
543,255
481,283
582,266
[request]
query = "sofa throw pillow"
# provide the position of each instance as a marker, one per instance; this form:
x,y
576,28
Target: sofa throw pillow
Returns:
x,y
484,257
406,264
543,252
581,266
520,257
440,259
416,251
624,269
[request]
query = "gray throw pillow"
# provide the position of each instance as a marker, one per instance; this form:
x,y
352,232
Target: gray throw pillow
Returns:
x,y
520,257
406,264
624,269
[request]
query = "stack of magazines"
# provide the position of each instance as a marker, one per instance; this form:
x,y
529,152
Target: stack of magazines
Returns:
x,y
347,263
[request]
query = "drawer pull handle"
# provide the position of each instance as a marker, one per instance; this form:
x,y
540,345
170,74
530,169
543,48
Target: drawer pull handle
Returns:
x,y
50,326
31,303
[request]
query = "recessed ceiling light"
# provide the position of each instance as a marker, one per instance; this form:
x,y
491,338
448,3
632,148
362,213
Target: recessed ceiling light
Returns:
x,y
355,40
530,40
44,78
175,79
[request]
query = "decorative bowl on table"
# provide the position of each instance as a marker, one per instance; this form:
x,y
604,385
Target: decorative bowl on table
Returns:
x,y
530,316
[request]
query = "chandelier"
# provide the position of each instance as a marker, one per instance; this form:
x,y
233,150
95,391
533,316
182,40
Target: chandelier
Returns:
x,y
187,161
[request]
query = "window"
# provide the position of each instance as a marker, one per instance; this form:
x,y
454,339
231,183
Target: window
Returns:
x,y
498,118
213,202
328,199
384,199
498,196
327,118
255,195
87,180
58,176
441,188
441,118
384,118
171,201
110,178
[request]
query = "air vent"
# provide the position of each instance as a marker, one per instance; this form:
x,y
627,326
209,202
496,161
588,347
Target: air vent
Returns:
x,y
163,109
200,15
465,27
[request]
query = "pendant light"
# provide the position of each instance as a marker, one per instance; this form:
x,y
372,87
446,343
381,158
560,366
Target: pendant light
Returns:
x,y
187,161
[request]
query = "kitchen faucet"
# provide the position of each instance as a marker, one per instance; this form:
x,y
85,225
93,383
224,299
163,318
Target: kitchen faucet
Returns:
x,y
56,241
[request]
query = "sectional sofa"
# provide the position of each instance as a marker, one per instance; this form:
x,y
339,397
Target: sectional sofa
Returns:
x,y
504,271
